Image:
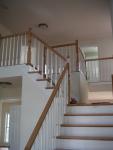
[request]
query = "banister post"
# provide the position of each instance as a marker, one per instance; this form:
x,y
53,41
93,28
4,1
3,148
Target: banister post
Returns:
x,y
112,83
29,47
69,85
77,56
86,69
44,61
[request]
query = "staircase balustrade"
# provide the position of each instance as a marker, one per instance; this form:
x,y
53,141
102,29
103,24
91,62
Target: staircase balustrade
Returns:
x,y
76,58
100,69
27,48
13,49
47,128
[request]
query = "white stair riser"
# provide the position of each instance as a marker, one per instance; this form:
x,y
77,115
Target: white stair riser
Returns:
x,y
90,109
84,144
35,76
48,92
87,131
88,119
42,84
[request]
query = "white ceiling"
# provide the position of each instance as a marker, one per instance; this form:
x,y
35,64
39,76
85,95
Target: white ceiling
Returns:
x,y
68,20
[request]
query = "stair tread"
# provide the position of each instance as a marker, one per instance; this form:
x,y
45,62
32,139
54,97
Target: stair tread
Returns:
x,y
91,114
86,125
52,87
85,138
31,72
43,79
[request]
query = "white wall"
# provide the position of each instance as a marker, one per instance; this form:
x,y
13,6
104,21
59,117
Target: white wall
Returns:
x,y
11,94
75,85
79,87
34,99
3,30
0,118
83,89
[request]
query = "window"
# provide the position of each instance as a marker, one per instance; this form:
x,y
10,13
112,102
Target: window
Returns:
x,y
7,126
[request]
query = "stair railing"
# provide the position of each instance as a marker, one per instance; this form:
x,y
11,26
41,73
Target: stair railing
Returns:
x,y
11,49
27,48
46,60
82,63
99,69
73,51
69,51
47,128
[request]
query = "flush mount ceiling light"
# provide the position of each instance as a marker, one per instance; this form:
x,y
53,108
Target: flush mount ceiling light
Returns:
x,y
42,26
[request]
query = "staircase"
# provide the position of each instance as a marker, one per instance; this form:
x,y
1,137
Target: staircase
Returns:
x,y
59,125
87,127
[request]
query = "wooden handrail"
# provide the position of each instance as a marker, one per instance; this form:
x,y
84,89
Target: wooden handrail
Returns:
x,y
96,59
64,45
112,82
50,48
46,109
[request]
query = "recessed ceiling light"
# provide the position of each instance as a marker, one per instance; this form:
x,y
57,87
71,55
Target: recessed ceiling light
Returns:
x,y
42,26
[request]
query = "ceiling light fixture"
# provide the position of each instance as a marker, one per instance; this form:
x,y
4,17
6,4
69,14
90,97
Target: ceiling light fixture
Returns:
x,y
43,26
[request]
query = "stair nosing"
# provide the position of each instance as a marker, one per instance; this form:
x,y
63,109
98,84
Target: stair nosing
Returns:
x,y
89,104
43,80
89,114
85,138
87,125
31,72
49,88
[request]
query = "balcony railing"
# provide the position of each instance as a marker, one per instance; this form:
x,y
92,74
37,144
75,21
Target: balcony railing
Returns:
x,y
73,53
99,70
27,48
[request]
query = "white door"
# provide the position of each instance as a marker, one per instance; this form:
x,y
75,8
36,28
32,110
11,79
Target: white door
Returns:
x,y
14,132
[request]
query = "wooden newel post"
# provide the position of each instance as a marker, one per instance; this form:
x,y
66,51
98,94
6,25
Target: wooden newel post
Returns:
x,y
29,47
69,85
77,56
112,83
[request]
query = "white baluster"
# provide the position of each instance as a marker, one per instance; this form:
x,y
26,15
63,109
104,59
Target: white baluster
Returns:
x,y
13,50
51,68
16,50
10,42
6,55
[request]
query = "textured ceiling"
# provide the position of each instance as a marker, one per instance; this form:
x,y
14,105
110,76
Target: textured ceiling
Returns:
x,y
68,20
